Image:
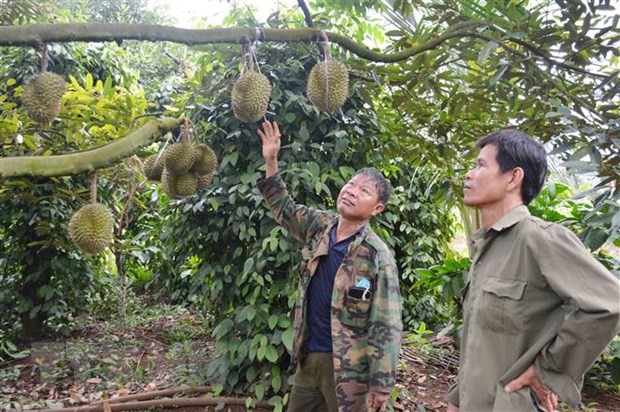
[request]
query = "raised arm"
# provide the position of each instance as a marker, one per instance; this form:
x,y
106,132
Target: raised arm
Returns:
x,y
270,137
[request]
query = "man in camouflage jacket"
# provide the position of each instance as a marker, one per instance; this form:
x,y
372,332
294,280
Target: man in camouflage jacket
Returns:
x,y
363,312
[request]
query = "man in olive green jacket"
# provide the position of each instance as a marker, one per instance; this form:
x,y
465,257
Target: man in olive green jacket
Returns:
x,y
348,313
538,309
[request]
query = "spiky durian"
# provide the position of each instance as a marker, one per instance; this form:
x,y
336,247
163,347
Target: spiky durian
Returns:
x,y
153,166
328,85
179,158
42,95
179,186
204,180
250,97
206,160
91,228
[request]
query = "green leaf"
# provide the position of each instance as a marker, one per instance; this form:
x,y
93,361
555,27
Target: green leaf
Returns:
x,y
580,166
251,314
261,352
614,370
276,382
108,90
249,265
486,51
223,328
273,321
233,158
89,82
259,390
287,339
271,353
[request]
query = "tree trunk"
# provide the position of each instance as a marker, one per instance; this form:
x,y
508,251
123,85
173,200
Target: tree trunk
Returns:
x,y
32,326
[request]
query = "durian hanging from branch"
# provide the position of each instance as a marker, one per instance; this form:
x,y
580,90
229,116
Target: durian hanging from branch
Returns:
x,y
154,166
91,228
43,93
251,91
187,168
328,82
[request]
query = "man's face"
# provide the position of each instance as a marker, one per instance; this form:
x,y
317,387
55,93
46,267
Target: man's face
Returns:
x,y
484,184
358,199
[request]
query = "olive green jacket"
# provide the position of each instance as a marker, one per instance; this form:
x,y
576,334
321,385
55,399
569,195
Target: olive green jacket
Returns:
x,y
365,332
534,296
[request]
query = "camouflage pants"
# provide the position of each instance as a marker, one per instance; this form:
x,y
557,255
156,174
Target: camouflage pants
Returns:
x,y
314,389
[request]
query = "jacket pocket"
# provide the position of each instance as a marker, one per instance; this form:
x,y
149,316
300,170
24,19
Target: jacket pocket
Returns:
x,y
356,313
500,305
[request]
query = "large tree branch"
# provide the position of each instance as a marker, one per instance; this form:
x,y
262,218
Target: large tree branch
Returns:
x,y
86,160
539,52
29,35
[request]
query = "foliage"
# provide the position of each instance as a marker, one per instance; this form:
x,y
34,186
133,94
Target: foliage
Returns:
x,y
443,284
595,225
614,351
548,68
43,274
418,225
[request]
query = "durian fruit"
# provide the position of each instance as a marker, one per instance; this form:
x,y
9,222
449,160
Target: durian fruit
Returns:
x,y
206,160
152,169
179,186
179,158
250,97
91,228
42,95
334,81
203,181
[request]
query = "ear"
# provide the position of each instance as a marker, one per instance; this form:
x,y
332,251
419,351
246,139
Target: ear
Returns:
x,y
379,207
516,179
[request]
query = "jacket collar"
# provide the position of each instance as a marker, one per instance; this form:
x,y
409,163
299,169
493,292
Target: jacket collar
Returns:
x,y
361,233
514,216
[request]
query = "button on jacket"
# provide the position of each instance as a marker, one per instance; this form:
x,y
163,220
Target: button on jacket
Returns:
x,y
534,296
366,330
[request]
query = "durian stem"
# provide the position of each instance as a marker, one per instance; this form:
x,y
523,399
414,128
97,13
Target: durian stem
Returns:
x,y
194,130
327,54
93,188
247,55
184,130
41,48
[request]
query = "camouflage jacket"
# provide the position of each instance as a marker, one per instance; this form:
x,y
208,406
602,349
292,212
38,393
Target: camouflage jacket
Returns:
x,y
365,332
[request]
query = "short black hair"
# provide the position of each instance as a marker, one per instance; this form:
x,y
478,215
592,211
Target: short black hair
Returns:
x,y
518,149
384,189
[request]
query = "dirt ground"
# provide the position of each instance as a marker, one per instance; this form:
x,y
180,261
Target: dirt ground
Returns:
x,y
105,362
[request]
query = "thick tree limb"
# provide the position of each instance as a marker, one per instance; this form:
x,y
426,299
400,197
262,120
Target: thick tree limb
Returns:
x,y
86,160
29,35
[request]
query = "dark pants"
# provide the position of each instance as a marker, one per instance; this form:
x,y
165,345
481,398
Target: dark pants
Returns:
x,y
314,389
